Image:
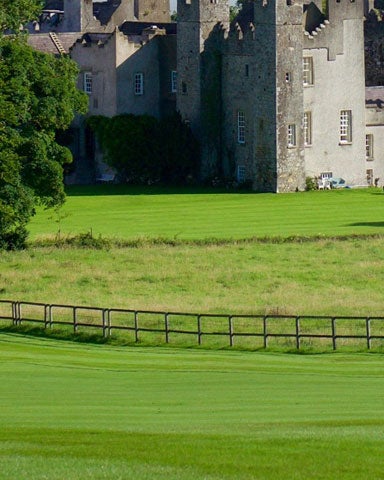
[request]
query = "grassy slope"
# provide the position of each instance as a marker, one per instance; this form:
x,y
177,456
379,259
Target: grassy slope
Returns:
x,y
99,412
128,212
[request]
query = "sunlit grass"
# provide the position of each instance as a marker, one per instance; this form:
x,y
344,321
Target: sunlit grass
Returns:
x,y
322,277
131,213
87,411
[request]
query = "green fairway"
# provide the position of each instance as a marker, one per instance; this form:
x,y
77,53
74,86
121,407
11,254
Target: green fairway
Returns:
x,y
130,212
75,412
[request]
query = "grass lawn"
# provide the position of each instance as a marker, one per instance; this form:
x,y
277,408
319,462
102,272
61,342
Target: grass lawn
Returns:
x,y
71,411
130,212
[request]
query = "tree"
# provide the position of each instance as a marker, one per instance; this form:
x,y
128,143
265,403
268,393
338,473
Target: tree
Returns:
x,y
14,13
38,97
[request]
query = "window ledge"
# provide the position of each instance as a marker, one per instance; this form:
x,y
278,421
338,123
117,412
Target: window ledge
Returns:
x,y
345,143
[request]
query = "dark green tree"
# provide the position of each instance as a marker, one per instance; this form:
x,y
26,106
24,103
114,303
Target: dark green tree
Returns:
x,y
38,97
14,13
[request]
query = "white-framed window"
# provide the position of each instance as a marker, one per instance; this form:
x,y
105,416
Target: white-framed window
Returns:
x,y
307,126
87,82
240,127
139,83
173,81
369,146
240,174
291,134
307,70
346,126
326,175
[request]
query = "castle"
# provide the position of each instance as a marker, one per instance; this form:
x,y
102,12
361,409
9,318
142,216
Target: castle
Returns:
x,y
275,96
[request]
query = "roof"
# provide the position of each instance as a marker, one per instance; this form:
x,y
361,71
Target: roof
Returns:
x,y
103,11
136,28
374,97
44,42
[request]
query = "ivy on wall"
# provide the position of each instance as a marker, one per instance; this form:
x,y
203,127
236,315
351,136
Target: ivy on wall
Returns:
x,y
143,149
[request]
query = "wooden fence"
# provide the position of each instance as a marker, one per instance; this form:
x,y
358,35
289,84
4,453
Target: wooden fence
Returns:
x,y
243,331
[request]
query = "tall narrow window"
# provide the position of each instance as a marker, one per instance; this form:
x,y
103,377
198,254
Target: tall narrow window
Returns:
x,y
308,71
291,135
88,82
369,146
370,177
241,173
240,127
345,126
173,81
307,124
139,84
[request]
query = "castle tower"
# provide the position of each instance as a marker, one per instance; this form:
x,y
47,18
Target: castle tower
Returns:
x,y
78,15
152,11
198,68
278,96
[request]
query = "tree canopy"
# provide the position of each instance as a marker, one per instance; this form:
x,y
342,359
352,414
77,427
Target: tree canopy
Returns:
x,y
14,13
38,98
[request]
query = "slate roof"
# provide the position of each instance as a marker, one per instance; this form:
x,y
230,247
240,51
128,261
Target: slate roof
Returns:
x,y
374,97
43,42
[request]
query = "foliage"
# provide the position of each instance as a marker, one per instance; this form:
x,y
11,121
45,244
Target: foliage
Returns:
x,y
14,13
38,96
145,150
310,184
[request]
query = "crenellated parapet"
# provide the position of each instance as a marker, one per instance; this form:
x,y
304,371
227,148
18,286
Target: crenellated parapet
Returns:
x,y
328,31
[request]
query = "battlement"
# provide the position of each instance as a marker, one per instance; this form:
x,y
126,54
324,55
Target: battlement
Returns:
x,y
344,9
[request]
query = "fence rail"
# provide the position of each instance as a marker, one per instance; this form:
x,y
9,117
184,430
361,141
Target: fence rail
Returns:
x,y
245,331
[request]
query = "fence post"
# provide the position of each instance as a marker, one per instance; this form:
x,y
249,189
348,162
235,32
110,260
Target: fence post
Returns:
x,y
298,333
334,333
265,334
166,328
230,326
104,322
136,320
368,329
50,316
74,320
18,314
14,313
199,329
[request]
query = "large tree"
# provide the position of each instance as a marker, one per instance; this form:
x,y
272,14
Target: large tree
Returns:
x,y
38,98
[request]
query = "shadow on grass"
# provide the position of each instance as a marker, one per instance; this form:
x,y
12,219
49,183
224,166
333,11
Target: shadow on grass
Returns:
x,y
123,189
97,339
366,224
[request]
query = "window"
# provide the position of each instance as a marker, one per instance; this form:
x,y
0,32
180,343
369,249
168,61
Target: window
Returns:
x,y
288,77
88,82
184,89
308,71
240,127
241,173
326,175
370,177
307,125
291,135
173,81
247,70
139,83
345,126
369,147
